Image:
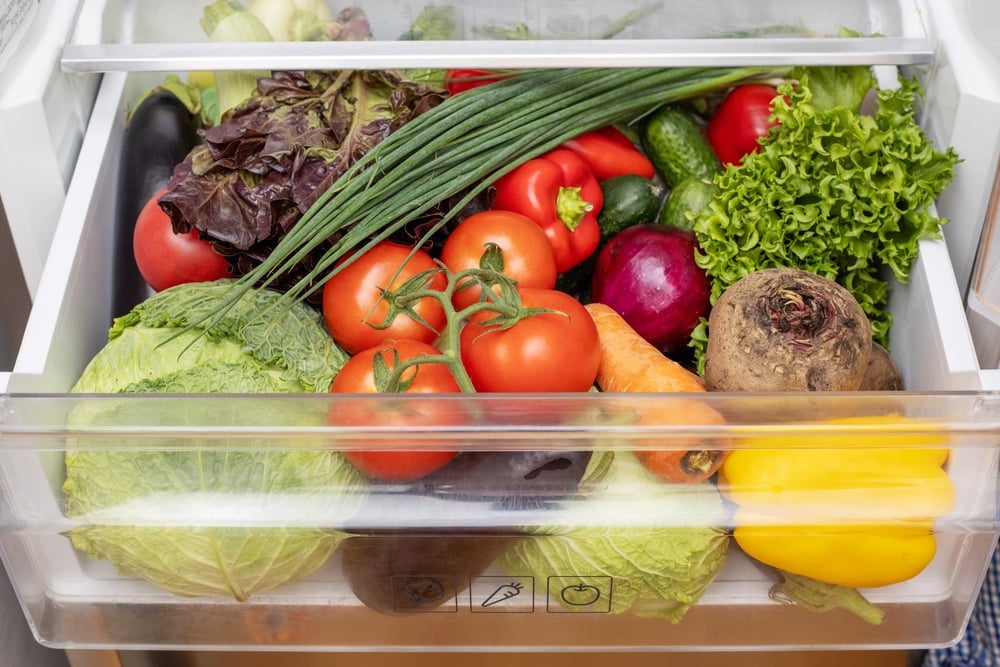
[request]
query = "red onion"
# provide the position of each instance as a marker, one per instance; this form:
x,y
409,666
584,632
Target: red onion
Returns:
x,y
647,273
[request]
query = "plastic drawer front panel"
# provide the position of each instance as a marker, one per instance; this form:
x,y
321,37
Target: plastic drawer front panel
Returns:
x,y
400,566
433,564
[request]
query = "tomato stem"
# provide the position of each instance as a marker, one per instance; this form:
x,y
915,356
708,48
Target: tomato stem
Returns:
x,y
498,294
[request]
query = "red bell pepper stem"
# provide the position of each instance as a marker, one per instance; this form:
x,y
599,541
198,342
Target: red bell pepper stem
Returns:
x,y
560,193
571,207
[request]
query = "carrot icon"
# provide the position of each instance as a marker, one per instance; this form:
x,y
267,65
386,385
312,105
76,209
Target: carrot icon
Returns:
x,y
505,592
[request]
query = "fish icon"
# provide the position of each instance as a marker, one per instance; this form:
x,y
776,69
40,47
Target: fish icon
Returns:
x,y
504,592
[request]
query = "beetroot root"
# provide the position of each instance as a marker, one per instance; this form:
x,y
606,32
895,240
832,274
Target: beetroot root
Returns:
x,y
883,373
787,330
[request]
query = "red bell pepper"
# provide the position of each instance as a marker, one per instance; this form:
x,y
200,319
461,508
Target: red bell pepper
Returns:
x,y
460,80
559,192
609,153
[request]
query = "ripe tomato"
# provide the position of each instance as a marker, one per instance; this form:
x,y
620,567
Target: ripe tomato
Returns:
x,y
460,80
739,122
358,374
166,259
547,352
399,460
355,308
528,258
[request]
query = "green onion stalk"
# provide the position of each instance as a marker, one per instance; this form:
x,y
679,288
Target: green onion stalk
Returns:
x,y
462,146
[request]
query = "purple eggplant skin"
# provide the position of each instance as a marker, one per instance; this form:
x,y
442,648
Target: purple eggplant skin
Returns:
x,y
519,479
158,136
398,573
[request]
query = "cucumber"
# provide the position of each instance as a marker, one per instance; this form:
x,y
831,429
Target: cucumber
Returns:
x,y
677,146
689,197
629,200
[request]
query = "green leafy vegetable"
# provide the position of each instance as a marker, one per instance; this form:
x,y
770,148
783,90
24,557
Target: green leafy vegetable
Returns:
x,y
434,23
216,516
832,87
161,515
832,191
228,21
293,20
156,339
656,541
273,20
273,155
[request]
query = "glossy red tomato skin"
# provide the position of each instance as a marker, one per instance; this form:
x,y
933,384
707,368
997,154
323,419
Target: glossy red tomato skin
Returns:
x,y
399,461
398,466
166,259
357,375
354,307
547,352
527,254
740,121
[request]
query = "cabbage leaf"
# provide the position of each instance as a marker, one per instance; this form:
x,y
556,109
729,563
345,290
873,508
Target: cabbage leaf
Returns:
x,y
209,517
661,544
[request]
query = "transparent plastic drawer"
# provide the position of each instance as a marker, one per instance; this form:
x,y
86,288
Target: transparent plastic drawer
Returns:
x,y
569,554
546,534
134,36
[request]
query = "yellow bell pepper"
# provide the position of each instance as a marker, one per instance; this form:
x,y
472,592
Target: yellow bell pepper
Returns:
x,y
852,509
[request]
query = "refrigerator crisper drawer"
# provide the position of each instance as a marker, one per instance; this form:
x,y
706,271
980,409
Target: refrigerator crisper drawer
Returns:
x,y
137,36
251,534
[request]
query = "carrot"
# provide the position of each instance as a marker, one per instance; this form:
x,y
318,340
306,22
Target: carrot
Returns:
x,y
630,364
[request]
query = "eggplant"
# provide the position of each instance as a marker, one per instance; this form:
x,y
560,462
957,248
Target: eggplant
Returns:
x,y
398,573
160,133
513,480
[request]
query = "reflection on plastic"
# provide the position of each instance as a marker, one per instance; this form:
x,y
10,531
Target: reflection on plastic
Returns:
x,y
16,17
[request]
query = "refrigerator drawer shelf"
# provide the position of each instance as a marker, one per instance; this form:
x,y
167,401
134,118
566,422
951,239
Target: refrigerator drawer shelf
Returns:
x,y
141,36
242,530
406,567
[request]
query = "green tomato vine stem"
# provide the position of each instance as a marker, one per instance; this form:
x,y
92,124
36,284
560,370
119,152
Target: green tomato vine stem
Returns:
x,y
505,302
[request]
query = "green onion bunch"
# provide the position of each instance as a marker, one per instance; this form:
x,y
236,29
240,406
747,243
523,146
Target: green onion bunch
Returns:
x,y
463,145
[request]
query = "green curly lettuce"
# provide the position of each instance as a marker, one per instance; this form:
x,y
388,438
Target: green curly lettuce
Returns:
x,y
833,191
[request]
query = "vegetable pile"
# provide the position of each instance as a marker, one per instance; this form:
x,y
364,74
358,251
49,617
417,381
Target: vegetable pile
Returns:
x,y
836,192
269,160
676,231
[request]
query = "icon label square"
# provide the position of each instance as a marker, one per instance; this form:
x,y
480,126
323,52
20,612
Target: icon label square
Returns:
x,y
576,594
502,595
426,593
